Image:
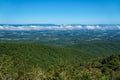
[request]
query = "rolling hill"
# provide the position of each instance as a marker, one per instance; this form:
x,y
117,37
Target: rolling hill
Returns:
x,y
84,61
44,56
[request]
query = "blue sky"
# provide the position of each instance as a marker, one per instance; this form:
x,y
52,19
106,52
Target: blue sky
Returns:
x,y
60,11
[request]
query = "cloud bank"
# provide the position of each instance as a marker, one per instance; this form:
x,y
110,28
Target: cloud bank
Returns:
x,y
60,27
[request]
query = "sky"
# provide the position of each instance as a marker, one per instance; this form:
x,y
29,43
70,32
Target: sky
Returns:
x,y
60,11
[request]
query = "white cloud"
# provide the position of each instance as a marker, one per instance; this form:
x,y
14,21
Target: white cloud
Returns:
x,y
1,27
118,27
60,27
90,27
79,27
98,27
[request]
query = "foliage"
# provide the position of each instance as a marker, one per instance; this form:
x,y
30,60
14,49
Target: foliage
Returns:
x,y
39,62
6,67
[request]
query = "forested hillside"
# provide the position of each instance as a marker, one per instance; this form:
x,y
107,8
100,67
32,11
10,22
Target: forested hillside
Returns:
x,y
48,55
29,61
98,48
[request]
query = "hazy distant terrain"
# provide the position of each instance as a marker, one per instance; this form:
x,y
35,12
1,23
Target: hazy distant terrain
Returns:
x,y
59,34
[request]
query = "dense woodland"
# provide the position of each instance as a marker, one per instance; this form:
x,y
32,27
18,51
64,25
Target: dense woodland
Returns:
x,y
87,61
